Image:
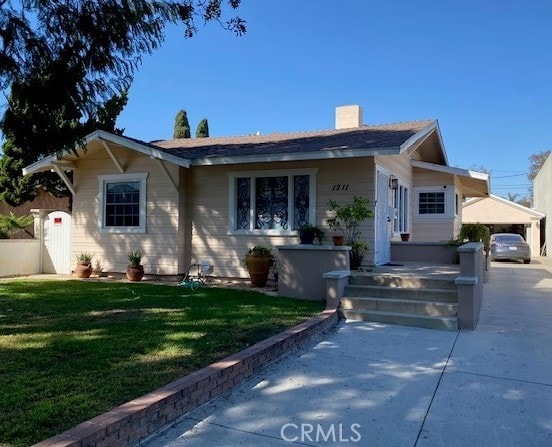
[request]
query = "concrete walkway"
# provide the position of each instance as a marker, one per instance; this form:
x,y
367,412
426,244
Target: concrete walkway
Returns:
x,y
372,384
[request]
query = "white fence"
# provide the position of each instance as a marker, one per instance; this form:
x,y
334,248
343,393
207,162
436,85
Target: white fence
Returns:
x,y
19,257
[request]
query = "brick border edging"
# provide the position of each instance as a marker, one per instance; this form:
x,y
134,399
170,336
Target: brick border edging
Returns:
x,y
140,418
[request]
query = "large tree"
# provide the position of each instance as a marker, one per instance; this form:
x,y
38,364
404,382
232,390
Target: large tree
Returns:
x,y
181,125
16,189
202,130
66,57
61,60
535,163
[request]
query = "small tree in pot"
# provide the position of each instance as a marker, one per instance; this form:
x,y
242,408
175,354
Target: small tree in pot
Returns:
x,y
135,270
258,260
347,218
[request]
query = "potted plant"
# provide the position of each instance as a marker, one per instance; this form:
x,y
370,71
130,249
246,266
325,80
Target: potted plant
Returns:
x,y
405,237
347,219
84,265
135,270
258,260
358,249
308,233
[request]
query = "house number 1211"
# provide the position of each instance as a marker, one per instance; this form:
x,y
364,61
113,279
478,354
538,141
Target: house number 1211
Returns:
x,y
340,187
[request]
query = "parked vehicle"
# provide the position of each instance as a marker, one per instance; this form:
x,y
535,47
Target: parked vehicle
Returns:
x,y
510,246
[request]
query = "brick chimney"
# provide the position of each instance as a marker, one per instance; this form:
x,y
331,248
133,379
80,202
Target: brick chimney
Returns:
x,y
348,117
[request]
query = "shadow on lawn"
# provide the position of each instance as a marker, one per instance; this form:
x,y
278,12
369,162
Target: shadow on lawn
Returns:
x,y
71,350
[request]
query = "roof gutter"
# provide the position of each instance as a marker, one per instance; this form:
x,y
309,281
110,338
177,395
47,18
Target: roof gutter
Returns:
x,y
295,156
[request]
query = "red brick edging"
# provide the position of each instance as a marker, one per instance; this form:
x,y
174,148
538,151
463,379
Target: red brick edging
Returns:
x,y
140,418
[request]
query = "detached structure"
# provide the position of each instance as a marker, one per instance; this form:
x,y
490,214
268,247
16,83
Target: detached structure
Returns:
x,y
542,199
189,200
504,216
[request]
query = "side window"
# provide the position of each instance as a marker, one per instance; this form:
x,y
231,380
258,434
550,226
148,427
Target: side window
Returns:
x,y
123,203
431,203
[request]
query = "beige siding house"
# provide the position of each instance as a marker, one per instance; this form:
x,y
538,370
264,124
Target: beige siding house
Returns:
x,y
504,216
542,199
191,200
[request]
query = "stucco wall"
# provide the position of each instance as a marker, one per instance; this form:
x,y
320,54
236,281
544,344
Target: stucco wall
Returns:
x,y
207,190
23,259
542,198
160,241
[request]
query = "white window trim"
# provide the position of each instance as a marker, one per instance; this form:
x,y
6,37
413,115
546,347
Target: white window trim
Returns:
x,y
449,201
289,173
102,181
397,210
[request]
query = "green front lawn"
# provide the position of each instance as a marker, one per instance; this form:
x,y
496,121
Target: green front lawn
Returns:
x,y
70,350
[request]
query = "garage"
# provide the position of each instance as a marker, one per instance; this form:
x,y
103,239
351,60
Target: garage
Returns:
x,y
504,216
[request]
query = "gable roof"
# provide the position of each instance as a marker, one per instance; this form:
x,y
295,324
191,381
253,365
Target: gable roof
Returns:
x,y
368,140
65,159
529,211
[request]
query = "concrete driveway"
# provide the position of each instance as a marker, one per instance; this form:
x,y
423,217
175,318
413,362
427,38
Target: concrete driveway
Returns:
x,y
372,384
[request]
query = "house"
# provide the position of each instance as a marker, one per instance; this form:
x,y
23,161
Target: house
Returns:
x,y
505,216
189,200
542,199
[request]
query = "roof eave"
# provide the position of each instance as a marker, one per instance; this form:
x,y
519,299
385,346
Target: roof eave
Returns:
x,y
48,162
295,156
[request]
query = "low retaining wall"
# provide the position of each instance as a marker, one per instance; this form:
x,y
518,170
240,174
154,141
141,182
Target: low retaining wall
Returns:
x,y
19,257
133,422
430,252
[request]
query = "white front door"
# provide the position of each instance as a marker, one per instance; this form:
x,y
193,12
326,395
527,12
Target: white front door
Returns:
x,y
383,244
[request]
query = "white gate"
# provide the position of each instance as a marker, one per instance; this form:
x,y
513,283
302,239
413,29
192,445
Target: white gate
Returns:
x,y
57,243
383,244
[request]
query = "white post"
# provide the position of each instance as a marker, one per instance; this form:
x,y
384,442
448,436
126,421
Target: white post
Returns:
x,y
39,215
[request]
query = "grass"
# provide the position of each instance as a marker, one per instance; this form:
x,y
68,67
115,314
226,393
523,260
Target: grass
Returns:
x,y
70,350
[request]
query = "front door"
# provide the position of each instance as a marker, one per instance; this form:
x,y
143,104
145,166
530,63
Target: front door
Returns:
x,y
383,244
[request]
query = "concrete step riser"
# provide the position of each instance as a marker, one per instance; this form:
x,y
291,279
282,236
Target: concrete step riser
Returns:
x,y
402,282
443,323
433,309
441,295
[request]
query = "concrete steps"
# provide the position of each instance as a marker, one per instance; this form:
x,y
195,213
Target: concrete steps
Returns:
x,y
402,299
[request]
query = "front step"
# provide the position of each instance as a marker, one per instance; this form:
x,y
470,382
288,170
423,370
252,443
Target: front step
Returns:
x,y
425,294
420,307
405,299
404,319
402,281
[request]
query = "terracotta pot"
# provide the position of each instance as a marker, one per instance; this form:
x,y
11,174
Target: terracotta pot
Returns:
x,y
338,240
405,237
84,269
135,272
259,268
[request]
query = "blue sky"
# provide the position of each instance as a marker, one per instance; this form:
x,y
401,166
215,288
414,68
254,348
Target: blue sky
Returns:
x,y
482,68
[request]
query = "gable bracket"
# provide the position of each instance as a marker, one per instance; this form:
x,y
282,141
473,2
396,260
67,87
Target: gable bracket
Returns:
x,y
59,171
167,173
112,155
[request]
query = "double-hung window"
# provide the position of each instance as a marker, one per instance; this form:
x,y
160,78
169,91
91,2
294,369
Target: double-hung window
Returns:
x,y
122,203
271,202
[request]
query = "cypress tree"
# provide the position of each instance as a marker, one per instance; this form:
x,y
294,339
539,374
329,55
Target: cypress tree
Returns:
x,y
202,130
181,125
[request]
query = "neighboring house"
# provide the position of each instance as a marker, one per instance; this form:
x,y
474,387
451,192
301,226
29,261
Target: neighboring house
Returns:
x,y
542,199
505,216
188,200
